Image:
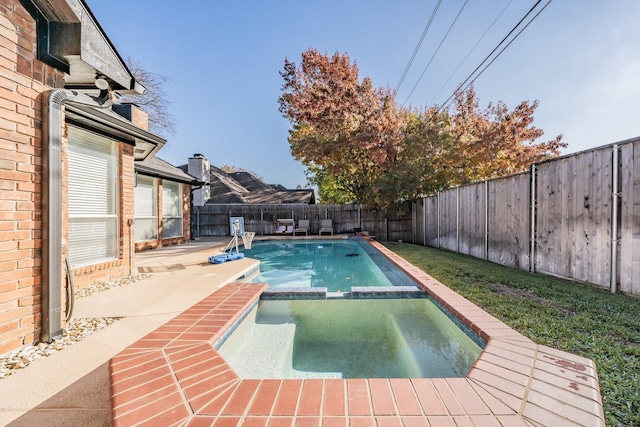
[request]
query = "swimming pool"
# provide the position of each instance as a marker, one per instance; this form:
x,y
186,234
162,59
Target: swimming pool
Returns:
x,y
350,338
335,264
340,309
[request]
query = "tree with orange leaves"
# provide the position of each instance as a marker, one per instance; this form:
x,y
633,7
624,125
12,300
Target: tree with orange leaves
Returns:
x,y
342,125
360,146
494,142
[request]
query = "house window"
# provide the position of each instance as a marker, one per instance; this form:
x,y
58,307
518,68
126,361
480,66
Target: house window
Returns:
x,y
93,198
171,209
146,209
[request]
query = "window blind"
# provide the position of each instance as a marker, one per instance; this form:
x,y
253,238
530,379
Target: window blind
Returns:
x,y
146,209
92,198
171,209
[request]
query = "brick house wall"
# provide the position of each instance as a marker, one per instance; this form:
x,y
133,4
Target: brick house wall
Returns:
x,y
23,80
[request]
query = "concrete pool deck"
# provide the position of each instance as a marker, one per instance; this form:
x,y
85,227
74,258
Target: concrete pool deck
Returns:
x,y
71,387
174,376
161,376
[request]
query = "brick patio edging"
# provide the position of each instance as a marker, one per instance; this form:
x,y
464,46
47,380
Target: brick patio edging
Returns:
x,y
175,377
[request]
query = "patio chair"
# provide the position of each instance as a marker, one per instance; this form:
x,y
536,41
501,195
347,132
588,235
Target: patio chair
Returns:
x,y
303,227
326,226
285,226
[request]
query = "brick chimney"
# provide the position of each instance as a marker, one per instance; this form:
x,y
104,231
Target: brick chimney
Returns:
x,y
133,113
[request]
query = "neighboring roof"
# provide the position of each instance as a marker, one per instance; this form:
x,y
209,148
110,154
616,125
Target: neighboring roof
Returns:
x,y
305,195
244,187
257,191
158,168
251,182
224,189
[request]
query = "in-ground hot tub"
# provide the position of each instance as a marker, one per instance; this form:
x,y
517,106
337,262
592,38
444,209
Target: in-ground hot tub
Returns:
x,y
350,338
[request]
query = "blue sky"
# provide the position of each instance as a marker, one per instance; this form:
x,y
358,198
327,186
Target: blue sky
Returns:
x,y
579,58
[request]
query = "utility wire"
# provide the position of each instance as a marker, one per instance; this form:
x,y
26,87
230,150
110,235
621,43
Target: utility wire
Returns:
x,y
445,104
434,53
472,49
415,51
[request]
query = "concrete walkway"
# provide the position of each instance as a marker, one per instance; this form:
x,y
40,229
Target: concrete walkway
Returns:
x,y
70,387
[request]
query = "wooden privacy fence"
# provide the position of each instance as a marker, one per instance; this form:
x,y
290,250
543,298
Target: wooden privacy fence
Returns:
x,y
576,217
213,220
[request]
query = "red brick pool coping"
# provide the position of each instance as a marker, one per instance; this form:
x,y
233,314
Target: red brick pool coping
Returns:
x,y
174,377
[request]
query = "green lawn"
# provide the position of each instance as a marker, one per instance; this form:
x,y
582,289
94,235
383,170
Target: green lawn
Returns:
x,y
571,317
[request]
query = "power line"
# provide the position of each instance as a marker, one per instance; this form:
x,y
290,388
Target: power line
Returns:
x,y
445,104
415,51
472,49
434,53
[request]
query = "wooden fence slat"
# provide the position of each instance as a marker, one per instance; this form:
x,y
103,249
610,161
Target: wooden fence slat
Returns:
x,y
508,217
472,219
431,211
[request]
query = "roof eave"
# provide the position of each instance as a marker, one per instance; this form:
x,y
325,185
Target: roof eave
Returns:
x,y
70,39
153,172
146,144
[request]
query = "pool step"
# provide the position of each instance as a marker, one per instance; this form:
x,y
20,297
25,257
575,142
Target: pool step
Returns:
x,y
424,349
264,352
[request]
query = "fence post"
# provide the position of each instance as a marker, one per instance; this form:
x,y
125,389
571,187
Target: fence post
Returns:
x,y
532,250
386,228
458,219
486,219
438,219
424,221
614,223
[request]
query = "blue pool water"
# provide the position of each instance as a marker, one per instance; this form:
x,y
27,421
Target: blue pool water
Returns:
x,y
337,265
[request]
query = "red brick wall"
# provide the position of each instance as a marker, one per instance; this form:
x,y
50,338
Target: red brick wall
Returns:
x,y
22,79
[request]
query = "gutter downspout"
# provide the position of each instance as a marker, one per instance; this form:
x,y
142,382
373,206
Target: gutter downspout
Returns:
x,y
52,257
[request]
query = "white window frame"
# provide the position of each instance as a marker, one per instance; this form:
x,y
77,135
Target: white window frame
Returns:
x,y
93,198
171,209
145,213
